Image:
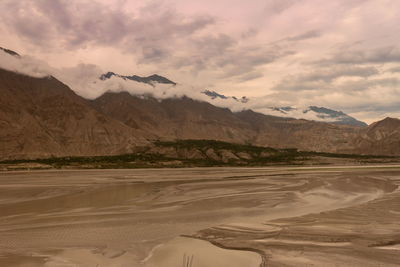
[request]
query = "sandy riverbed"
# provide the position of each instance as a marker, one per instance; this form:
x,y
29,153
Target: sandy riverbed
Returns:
x,y
201,217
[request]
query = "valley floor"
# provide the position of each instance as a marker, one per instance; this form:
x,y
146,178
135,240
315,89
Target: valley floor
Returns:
x,y
285,216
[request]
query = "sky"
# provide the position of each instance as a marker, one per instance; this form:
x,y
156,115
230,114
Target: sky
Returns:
x,y
340,54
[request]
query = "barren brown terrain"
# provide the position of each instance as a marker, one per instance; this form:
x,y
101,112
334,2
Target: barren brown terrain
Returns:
x,y
166,133
44,118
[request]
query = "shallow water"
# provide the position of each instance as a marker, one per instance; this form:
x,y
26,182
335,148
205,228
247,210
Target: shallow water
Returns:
x,y
136,217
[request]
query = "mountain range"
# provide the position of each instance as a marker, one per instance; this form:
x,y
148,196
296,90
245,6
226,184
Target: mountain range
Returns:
x,y
43,117
311,112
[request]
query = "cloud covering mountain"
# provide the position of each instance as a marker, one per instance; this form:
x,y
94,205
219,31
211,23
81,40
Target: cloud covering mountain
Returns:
x,y
340,54
43,117
87,81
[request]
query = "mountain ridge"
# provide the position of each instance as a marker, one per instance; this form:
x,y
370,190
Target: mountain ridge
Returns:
x,y
311,112
10,52
151,80
43,117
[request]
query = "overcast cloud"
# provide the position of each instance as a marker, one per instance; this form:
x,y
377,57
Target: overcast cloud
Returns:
x,y
342,54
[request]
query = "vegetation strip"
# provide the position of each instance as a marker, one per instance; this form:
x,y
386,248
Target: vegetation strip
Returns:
x,y
197,153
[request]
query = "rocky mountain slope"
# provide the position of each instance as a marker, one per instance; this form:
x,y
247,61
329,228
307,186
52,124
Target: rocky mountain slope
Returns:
x,y
301,134
380,138
184,118
42,117
174,118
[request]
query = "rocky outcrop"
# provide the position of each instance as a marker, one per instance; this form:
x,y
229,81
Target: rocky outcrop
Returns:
x,y
380,138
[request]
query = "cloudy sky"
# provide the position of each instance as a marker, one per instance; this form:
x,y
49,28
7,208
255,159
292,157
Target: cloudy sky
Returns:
x,y
341,54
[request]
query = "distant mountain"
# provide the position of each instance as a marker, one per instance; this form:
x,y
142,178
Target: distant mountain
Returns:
x,y
319,114
310,113
42,117
215,95
11,52
336,116
185,118
151,80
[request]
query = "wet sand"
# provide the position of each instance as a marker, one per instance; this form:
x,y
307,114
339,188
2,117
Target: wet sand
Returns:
x,y
201,217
